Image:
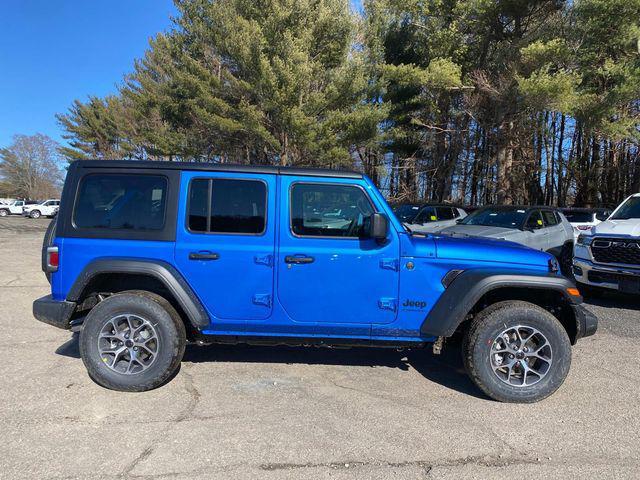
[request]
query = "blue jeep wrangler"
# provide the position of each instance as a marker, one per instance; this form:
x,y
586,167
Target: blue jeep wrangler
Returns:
x,y
147,256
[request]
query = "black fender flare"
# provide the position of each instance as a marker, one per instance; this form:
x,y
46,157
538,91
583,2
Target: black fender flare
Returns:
x,y
455,303
158,269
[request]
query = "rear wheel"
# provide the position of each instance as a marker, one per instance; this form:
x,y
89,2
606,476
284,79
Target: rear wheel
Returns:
x,y
132,341
35,214
517,352
3,213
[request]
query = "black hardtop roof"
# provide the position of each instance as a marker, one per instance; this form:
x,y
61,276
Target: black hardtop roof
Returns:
x,y
214,167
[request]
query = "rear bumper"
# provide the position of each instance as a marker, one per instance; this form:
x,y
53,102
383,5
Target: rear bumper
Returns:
x,y
586,322
54,312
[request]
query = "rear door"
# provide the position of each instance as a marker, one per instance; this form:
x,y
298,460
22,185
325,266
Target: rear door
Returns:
x,y
225,243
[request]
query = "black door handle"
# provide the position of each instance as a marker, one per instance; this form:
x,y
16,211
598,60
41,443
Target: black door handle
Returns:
x,y
298,259
203,256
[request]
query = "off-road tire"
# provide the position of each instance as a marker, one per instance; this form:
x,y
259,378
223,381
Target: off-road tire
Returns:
x,y
488,324
4,212
35,214
167,323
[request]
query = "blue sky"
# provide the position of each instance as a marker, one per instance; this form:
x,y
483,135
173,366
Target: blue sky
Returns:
x,y
54,51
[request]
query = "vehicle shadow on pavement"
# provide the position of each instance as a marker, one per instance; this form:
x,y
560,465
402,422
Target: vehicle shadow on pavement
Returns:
x,y
445,369
614,300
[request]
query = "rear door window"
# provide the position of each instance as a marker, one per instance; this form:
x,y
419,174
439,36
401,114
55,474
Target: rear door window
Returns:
x,y
549,218
121,202
227,206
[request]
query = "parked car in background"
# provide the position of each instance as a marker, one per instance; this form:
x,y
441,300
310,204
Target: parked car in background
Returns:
x,y
541,228
428,217
608,254
406,212
582,219
48,208
15,207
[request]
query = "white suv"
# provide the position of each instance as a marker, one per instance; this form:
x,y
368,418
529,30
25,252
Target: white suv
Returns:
x,y
48,208
608,255
12,208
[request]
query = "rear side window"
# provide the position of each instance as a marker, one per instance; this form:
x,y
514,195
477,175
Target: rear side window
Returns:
x,y
227,206
549,218
121,202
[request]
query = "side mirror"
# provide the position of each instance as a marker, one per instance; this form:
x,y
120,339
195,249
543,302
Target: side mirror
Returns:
x,y
378,227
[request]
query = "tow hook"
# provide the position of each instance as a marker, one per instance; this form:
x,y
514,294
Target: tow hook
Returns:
x,y
437,346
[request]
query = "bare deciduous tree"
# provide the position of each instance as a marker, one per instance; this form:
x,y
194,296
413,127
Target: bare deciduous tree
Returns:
x,y
31,167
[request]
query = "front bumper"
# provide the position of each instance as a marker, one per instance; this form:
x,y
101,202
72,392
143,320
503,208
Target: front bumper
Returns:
x,y
54,312
611,277
586,322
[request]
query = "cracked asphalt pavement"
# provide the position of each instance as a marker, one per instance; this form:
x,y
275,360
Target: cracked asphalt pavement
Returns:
x,y
295,413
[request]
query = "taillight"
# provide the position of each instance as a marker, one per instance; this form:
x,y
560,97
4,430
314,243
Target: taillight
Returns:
x,y
53,259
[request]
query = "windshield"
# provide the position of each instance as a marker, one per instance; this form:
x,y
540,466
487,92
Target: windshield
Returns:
x,y
629,209
405,213
579,217
502,217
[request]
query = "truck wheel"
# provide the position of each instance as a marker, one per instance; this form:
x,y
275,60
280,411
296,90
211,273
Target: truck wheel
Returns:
x,y
517,352
3,213
132,341
35,214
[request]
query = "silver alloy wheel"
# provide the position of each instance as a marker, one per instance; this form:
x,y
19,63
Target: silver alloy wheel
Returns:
x,y
521,356
3,213
35,214
128,344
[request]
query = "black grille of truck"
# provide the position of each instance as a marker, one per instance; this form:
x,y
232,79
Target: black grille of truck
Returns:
x,y
616,250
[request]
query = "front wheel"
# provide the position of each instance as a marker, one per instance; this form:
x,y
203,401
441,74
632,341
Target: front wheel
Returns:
x,y
3,213
517,352
35,214
132,341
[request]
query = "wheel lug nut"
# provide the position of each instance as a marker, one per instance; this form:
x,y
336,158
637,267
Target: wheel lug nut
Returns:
x,y
511,355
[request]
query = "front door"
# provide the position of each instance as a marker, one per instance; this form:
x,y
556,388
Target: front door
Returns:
x,y
537,234
328,272
225,246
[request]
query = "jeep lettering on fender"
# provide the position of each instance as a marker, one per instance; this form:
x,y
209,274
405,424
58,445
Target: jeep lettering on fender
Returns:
x,y
145,256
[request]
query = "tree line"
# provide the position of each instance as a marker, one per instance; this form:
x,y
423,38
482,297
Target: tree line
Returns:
x,y
472,101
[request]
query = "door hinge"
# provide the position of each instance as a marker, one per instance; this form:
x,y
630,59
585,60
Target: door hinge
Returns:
x,y
386,303
263,260
262,299
389,264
